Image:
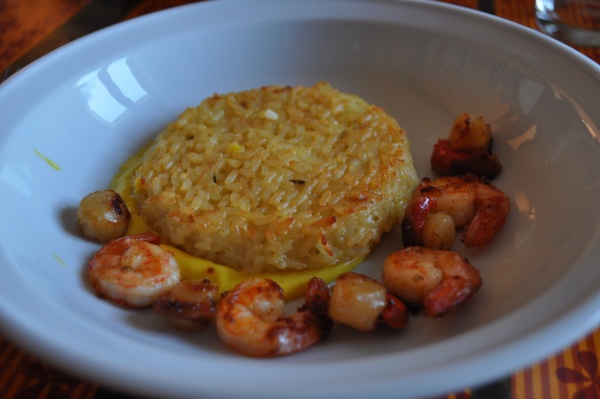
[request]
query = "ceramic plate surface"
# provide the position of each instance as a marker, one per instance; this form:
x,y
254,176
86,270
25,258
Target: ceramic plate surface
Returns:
x,y
70,119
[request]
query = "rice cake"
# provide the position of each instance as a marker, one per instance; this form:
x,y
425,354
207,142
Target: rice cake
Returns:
x,y
277,178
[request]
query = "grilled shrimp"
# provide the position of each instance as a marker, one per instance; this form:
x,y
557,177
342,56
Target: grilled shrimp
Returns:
x,y
467,150
363,303
434,280
250,318
439,205
133,271
190,305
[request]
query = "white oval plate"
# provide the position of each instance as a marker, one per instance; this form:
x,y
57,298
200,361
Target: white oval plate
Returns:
x,y
91,104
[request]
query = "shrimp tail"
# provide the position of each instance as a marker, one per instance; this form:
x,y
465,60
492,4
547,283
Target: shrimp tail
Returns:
x,y
447,295
317,301
395,313
311,324
489,220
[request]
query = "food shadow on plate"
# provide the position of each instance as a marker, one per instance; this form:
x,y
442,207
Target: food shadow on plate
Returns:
x,y
156,327
68,220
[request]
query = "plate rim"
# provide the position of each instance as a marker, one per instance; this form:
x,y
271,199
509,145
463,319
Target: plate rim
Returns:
x,y
50,354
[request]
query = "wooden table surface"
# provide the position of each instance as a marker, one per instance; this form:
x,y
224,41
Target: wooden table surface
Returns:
x,y
31,28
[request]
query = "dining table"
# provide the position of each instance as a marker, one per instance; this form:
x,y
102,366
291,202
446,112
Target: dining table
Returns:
x,y
30,29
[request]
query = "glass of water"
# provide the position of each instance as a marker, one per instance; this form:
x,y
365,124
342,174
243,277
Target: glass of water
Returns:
x,y
572,21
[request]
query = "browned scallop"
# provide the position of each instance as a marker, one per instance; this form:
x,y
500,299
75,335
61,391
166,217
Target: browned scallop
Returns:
x,y
190,305
466,150
103,216
358,301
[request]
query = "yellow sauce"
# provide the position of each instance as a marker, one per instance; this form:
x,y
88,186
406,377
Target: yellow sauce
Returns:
x,y
293,282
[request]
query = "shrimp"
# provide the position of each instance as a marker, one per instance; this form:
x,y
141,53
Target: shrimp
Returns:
x,y
363,303
467,150
395,312
190,306
250,318
465,201
434,280
133,271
